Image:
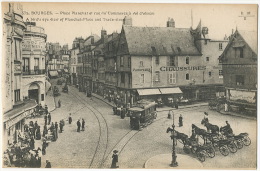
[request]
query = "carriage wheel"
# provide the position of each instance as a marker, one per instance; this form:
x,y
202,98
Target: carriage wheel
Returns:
x,y
232,147
186,149
239,144
211,152
224,150
201,156
247,141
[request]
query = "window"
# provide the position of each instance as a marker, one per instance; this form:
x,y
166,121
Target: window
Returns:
x,y
157,76
26,64
220,46
121,61
122,78
220,73
187,76
42,97
172,61
241,53
36,64
187,60
157,60
207,59
141,63
219,60
210,74
142,78
17,49
172,78
240,80
17,95
129,62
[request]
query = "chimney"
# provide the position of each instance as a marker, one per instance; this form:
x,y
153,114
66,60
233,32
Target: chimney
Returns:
x,y
127,21
103,34
171,23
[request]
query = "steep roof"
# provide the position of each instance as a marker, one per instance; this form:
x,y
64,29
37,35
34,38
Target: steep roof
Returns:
x,y
250,38
160,41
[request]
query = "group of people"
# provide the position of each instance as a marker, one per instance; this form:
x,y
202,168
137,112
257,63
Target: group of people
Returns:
x,y
81,125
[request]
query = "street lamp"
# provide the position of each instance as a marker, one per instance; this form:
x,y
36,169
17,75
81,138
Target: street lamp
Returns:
x,y
174,157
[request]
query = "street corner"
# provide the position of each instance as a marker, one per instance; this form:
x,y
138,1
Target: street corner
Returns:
x,y
163,161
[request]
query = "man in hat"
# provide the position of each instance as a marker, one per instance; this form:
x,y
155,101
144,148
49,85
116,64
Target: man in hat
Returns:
x,y
78,125
49,118
48,164
180,121
114,159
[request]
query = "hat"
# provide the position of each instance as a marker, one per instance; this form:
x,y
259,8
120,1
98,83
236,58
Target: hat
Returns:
x,y
206,113
115,151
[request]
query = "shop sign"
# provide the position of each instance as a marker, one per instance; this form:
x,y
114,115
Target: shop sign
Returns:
x,y
13,121
17,69
142,69
189,68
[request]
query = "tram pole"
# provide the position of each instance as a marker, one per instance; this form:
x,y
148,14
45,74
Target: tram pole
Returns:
x,y
174,157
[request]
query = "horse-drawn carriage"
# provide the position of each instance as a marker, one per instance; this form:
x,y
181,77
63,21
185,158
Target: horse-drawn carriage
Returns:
x,y
142,114
216,104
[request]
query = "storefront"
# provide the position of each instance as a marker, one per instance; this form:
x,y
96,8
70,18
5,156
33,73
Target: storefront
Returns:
x,y
13,121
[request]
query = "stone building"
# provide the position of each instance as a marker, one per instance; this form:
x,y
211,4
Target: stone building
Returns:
x,y
15,107
154,62
33,63
239,61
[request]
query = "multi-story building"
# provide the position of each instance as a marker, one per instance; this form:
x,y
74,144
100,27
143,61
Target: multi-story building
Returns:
x,y
167,61
33,62
98,65
239,61
73,62
84,67
15,107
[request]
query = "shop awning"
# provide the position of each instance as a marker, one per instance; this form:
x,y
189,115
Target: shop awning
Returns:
x,y
144,92
47,86
65,70
53,73
174,90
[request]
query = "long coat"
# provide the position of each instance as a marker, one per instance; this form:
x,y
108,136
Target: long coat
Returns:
x,y
114,161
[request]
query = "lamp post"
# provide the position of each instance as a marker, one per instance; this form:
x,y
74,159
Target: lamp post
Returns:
x,y
174,157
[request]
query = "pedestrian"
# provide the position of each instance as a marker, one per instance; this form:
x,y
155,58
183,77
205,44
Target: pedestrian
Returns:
x,y
49,118
59,103
46,109
78,124
206,116
39,157
48,164
180,121
61,126
38,133
45,131
56,128
45,119
114,159
226,107
83,125
70,119
44,146
32,143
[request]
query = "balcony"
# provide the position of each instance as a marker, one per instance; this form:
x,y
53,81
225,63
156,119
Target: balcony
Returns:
x,y
34,72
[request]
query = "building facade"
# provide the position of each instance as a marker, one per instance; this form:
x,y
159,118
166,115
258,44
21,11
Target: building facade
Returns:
x,y
239,61
15,107
33,62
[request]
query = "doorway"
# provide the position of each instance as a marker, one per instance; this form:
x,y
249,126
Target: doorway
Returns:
x,y
33,94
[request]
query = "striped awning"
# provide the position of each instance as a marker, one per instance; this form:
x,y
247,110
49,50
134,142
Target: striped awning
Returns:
x,y
173,90
144,92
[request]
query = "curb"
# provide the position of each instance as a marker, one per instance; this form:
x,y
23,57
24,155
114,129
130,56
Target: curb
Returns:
x,y
237,115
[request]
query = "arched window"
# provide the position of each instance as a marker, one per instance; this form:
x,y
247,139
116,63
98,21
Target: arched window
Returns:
x,y
187,76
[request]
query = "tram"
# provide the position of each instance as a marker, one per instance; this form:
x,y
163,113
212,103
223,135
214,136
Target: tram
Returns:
x,y
142,114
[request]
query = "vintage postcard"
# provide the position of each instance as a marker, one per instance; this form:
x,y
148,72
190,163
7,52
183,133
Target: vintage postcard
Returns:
x,y
117,85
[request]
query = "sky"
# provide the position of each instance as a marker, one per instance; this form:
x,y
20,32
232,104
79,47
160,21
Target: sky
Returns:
x,y
60,27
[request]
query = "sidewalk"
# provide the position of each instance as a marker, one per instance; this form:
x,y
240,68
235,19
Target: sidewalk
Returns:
x,y
237,115
50,100
165,108
163,161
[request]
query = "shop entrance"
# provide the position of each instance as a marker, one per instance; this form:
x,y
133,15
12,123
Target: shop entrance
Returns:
x,y
33,92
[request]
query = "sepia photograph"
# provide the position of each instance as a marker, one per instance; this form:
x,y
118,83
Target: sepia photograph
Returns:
x,y
129,85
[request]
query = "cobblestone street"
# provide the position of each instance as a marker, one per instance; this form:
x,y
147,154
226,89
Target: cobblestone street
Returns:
x,y
77,150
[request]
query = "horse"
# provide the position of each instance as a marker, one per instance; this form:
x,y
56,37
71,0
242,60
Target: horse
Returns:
x,y
178,135
201,132
210,127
